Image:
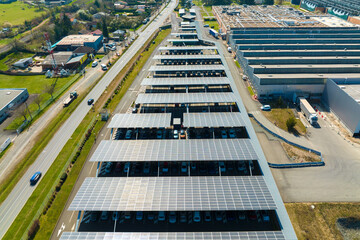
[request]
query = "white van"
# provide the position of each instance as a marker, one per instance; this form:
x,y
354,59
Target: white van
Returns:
x,y
103,67
94,64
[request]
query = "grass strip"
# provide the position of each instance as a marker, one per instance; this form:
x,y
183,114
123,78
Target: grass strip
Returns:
x,y
38,200
7,148
250,90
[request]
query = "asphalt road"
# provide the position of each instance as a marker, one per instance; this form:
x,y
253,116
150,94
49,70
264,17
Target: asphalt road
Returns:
x,y
11,207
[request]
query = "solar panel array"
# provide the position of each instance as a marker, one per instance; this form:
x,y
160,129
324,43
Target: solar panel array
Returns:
x,y
269,235
168,68
174,150
187,57
173,194
151,120
209,119
163,98
185,81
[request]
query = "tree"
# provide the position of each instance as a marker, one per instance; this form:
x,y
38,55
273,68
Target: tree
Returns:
x,y
38,100
290,123
249,2
105,28
269,2
97,4
50,89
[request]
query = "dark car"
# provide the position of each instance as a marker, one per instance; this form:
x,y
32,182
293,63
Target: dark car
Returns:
x,y
35,178
90,101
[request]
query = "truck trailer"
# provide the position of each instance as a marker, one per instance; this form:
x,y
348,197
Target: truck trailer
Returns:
x,y
213,33
308,111
72,96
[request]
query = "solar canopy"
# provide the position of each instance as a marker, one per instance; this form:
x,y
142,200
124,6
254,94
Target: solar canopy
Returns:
x,y
208,119
175,68
186,57
185,81
190,48
163,98
174,150
269,235
151,120
173,194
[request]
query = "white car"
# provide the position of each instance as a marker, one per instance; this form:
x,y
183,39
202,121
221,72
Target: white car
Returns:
x,y
265,107
176,134
94,64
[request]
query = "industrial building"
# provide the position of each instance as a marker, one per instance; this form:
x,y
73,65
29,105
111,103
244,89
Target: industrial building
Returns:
x,y
71,42
10,99
185,164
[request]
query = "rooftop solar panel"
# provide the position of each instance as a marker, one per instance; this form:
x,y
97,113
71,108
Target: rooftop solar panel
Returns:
x,y
163,98
174,150
151,120
173,194
224,119
168,68
269,235
185,81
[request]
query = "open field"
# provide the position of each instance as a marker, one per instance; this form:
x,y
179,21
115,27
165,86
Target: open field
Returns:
x,y
17,12
320,222
278,116
35,85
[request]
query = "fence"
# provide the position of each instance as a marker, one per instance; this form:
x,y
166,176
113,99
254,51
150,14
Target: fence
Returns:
x,y
52,189
292,165
47,103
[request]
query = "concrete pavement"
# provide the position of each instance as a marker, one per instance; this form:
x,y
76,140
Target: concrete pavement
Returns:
x,y
22,191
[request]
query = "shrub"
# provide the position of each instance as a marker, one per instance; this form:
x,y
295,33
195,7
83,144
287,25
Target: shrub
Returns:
x,y
63,177
290,123
33,229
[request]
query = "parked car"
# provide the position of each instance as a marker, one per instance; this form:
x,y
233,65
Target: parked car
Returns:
x,y
104,216
218,216
165,167
183,217
161,216
197,217
222,166
104,67
115,216
207,216
223,134
35,178
126,167
172,217
94,64
90,101
150,216
134,110
146,168
139,215
127,215
176,134
118,167
128,134
182,134
184,167
108,167
265,107
232,133
159,134
93,217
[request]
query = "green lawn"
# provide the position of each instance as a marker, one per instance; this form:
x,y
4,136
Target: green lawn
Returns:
x,y
17,12
6,62
212,24
34,85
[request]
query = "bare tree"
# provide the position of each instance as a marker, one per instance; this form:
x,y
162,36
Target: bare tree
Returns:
x,y
37,100
22,111
50,89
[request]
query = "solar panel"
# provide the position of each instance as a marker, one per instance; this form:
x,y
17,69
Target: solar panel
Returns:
x,y
167,68
208,119
173,194
174,150
188,48
269,235
151,120
185,81
186,57
158,98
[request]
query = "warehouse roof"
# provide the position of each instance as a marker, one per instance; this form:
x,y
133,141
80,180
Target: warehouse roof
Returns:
x,y
150,120
163,98
270,235
9,94
77,39
185,81
189,150
311,75
173,194
353,90
208,119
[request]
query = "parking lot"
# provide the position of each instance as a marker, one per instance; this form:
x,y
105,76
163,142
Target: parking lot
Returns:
x,y
178,168
189,221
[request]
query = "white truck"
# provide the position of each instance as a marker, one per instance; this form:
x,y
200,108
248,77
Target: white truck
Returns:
x,y
308,111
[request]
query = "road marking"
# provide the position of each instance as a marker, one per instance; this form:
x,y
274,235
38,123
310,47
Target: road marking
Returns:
x,y
92,167
73,227
61,229
71,216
